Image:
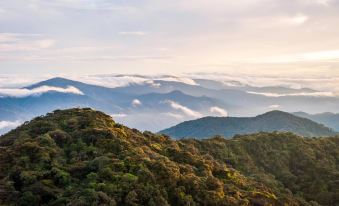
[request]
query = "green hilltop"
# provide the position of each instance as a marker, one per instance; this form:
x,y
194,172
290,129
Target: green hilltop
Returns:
x,y
229,126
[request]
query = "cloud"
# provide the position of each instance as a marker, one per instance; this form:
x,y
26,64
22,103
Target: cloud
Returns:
x,y
210,32
324,81
113,81
17,81
9,124
12,37
173,115
219,111
331,55
321,2
274,106
185,110
45,43
324,2
181,79
120,115
136,103
310,94
37,91
295,20
15,42
133,33
89,5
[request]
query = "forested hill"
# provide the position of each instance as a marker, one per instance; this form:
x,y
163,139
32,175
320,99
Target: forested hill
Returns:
x,y
82,157
229,126
306,167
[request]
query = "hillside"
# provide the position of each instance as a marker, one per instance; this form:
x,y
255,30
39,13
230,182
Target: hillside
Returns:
x,y
230,126
306,167
82,157
329,119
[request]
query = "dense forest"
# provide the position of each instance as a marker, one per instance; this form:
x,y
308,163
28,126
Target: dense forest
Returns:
x,y
82,157
305,167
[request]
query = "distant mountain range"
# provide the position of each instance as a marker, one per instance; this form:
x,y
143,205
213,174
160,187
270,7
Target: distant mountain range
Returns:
x,y
163,103
229,126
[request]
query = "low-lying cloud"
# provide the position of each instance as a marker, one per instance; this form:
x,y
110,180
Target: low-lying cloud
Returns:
x,y
274,106
185,110
219,111
114,81
119,115
9,124
4,92
136,103
307,94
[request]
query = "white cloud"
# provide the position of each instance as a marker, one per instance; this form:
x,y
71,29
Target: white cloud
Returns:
x,y
185,110
321,2
136,103
219,111
310,94
173,115
184,80
11,37
295,20
133,33
17,81
324,81
210,32
4,92
113,81
10,42
90,5
319,56
45,43
9,124
274,106
120,115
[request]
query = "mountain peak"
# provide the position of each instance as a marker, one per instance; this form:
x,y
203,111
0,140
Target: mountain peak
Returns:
x,y
55,82
70,119
268,122
275,113
176,92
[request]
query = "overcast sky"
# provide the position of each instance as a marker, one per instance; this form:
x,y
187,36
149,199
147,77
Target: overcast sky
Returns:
x,y
262,37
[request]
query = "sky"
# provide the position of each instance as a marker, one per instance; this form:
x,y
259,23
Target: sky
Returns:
x,y
266,38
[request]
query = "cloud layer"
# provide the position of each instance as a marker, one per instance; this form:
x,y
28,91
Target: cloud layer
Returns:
x,y
325,84
309,94
37,91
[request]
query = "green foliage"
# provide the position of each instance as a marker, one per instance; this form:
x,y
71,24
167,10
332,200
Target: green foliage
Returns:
x,y
82,157
306,167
